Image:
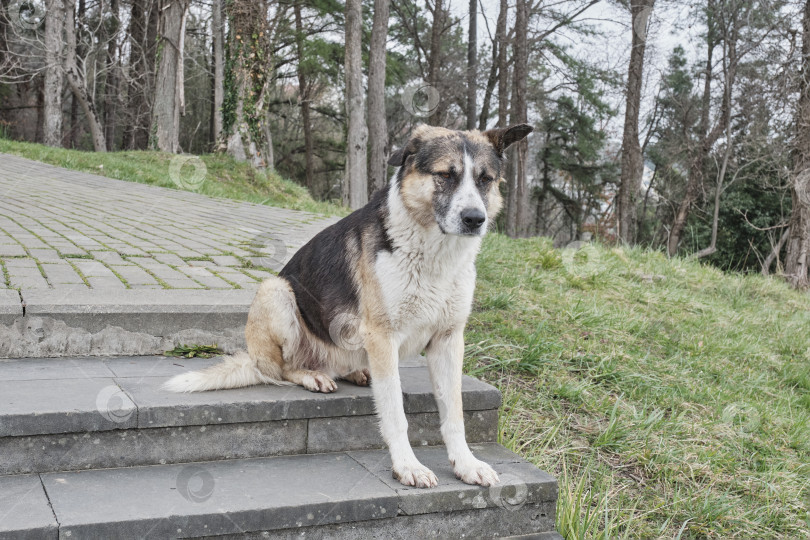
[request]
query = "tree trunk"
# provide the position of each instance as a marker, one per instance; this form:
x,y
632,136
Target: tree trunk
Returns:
x,y
54,79
355,189
503,66
517,207
110,86
169,86
797,256
78,85
303,98
377,124
435,57
494,72
245,81
143,25
218,30
632,164
472,65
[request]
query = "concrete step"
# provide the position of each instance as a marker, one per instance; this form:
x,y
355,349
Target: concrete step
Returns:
x,y
87,413
80,321
335,495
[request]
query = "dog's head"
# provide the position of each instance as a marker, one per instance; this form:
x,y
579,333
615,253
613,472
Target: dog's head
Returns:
x,y
450,178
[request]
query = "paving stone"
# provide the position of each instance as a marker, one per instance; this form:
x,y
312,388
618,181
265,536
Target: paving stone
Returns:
x,y
170,259
214,498
24,509
30,407
226,260
61,273
45,255
135,276
92,268
109,257
106,283
202,264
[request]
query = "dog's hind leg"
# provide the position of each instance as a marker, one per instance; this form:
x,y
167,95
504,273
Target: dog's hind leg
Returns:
x,y
361,377
272,327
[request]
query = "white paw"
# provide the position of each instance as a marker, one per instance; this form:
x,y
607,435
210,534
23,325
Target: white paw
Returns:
x,y
319,383
415,475
474,471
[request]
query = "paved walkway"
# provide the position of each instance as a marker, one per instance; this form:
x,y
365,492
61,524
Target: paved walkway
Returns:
x,y
63,229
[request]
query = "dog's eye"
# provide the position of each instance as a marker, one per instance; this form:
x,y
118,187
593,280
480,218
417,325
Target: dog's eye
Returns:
x,y
487,179
445,175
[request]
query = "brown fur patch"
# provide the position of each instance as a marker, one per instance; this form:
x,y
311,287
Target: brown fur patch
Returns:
x,y
417,196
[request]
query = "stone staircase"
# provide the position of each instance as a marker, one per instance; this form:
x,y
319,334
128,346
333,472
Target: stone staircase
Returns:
x,y
93,448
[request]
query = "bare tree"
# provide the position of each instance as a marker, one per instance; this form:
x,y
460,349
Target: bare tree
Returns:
x,y
109,87
377,125
632,160
169,83
435,58
503,64
797,255
143,27
355,187
54,79
472,65
304,99
77,80
218,46
517,207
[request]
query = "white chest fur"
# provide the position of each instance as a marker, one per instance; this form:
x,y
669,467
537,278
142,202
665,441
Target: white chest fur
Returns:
x,y
428,282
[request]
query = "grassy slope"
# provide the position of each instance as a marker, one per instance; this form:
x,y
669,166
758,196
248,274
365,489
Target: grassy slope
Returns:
x,y
225,177
670,399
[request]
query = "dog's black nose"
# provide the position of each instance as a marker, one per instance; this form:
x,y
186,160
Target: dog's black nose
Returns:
x,y
472,218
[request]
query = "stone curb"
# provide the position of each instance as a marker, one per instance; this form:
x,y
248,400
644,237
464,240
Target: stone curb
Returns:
x,y
151,311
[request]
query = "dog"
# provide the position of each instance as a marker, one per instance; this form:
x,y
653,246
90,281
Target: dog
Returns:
x,y
390,280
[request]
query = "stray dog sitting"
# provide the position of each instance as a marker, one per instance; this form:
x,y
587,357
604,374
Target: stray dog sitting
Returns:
x,y
401,270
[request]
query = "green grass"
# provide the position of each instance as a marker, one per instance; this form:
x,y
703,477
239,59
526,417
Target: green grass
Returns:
x,y
223,177
671,400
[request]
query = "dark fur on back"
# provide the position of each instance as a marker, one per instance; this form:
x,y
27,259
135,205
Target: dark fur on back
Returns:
x,y
320,273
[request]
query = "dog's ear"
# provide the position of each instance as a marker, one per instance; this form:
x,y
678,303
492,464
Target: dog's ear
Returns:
x,y
503,138
398,157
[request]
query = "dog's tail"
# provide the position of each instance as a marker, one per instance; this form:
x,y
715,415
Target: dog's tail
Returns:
x,y
235,371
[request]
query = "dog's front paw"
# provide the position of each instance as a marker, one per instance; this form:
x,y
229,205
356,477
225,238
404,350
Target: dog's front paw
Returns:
x,y
475,471
415,475
319,382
